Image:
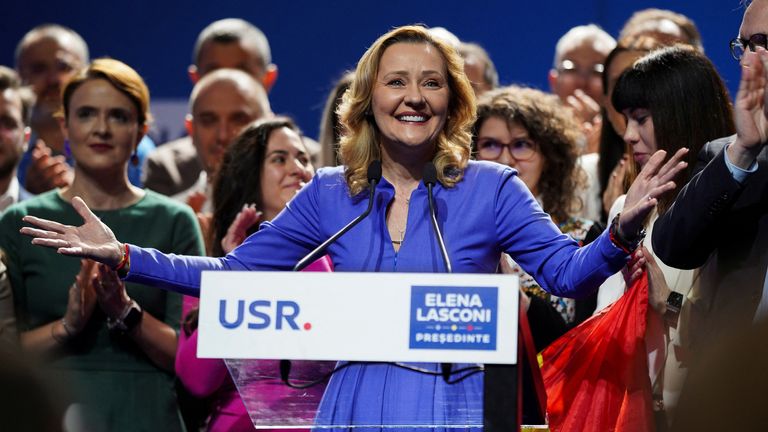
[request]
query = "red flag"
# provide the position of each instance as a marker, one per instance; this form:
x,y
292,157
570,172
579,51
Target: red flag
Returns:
x,y
596,375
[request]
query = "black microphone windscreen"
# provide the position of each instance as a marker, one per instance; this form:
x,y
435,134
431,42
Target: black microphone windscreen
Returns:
x,y
430,173
374,171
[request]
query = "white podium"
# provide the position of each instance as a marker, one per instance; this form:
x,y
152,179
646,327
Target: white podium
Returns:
x,y
373,333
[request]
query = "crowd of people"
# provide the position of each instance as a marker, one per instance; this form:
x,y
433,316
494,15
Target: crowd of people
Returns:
x,y
636,164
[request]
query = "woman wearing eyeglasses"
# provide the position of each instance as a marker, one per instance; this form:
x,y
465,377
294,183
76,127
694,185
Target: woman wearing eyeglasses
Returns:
x,y
532,132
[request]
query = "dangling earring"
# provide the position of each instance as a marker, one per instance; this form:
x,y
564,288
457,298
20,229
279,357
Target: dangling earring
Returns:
x,y
135,158
67,149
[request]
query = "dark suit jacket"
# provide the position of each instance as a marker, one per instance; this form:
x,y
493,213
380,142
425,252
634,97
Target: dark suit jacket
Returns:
x,y
722,226
173,167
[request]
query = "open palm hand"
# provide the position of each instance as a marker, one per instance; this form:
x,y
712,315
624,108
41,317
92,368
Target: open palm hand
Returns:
x,y
93,240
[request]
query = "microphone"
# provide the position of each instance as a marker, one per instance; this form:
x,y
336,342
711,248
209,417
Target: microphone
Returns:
x,y
430,179
374,177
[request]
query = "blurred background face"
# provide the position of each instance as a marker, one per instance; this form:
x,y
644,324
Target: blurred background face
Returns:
x,y
102,126
232,55
46,64
11,131
220,112
475,70
620,63
510,144
286,170
580,68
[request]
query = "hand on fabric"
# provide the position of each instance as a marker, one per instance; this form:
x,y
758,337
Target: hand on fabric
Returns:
x,y
751,109
238,230
585,108
110,292
93,239
658,290
635,267
615,186
654,180
45,171
82,298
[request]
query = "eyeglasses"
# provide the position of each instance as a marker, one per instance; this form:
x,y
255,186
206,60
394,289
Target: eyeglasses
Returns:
x,y
568,67
740,45
490,149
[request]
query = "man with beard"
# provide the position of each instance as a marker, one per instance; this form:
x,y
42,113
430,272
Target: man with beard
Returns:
x,y
15,103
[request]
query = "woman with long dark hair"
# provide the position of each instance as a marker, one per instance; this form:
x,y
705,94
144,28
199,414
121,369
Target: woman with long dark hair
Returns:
x,y
671,98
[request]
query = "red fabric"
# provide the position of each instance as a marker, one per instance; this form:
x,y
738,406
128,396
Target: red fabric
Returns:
x,y
596,375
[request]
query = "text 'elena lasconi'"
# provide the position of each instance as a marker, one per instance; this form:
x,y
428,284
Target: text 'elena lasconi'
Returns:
x,y
453,317
453,308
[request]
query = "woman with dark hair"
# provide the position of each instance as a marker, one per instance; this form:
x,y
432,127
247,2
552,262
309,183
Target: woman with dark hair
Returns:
x,y
649,95
612,167
532,132
409,105
115,342
261,171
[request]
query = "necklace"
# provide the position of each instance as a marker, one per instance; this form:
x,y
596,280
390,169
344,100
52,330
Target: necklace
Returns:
x,y
401,238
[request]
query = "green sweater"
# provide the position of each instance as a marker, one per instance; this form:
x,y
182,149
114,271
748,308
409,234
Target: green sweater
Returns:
x,y
107,373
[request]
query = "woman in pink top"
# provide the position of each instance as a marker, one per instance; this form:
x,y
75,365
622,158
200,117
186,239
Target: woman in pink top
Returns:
x,y
262,170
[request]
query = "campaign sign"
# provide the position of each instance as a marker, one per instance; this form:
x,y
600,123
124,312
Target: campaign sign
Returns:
x,y
410,317
453,317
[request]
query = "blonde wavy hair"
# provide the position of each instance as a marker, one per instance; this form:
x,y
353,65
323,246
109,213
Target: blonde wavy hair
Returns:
x,y
360,143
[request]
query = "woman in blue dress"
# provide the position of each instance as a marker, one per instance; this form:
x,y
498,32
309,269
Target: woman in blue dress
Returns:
x,y
409,104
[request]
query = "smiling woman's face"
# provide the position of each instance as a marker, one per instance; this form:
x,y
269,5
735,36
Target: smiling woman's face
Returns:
x,y
286,169
411,95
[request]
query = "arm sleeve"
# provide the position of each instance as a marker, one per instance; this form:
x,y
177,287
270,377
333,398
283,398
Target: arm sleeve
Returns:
x,y
555,260
277,245
186,239
685,236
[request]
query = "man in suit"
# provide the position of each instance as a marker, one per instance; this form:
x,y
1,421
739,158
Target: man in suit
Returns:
x,y
228,43
719,221
15,105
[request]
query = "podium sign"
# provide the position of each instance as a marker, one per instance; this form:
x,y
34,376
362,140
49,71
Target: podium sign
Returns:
x,y
395,317
416,321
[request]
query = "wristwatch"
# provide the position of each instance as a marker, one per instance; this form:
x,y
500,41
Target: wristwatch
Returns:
x,y
130,318
674,304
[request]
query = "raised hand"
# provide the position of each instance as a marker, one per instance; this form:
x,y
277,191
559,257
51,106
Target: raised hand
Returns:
x,y
110,292
82,299
751,109
654,180
658,290
92,240
238,230
46,171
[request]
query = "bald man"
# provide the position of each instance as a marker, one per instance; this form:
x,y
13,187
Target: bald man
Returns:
x,y
228,43
221,105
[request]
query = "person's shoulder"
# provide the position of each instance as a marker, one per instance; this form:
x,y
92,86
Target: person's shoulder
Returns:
x,y
330,178
714,147
485,171
45,201
158,201
180,147
43,205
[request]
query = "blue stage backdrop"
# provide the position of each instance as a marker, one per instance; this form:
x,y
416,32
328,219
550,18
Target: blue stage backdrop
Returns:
x,y
314,42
